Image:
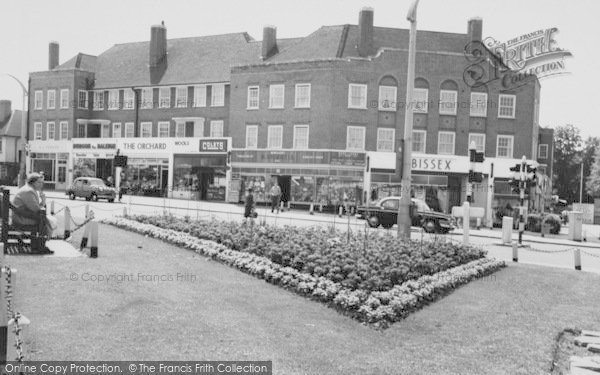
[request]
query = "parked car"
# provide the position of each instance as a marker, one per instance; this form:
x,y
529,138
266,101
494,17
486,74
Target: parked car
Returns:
x,y
385,213
91,188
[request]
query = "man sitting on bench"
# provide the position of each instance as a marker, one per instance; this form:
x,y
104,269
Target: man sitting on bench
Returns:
x,y
27,206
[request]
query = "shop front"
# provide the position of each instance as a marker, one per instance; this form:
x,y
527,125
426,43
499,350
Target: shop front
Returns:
x,y
305,177
53,159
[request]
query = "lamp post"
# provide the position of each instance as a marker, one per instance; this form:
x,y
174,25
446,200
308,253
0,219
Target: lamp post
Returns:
x,y
404,220
21,177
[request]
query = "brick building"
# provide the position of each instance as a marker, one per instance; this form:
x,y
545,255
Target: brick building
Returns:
x,y
10,142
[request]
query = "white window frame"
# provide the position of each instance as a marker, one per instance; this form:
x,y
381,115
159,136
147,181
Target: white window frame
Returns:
x,y
113,100
163,129
348,145
129,130
297,139
545,146
362,98
270,141
84,127
478,149
276,101
128,99
164,101
424,132
38,102
380,131
217,95
476,108
51,99
116,130
501,107
97,106
180,129
254,135
199,96
64,98
38,131
512,144
105,130
86,104
420,108
448,107
299,99
392,103
64,130
147,103
216,128
50,125
250,99
147,125
181,97
453,143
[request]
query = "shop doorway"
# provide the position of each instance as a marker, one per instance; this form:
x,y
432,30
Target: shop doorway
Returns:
x,y
285,183
205,179
454,192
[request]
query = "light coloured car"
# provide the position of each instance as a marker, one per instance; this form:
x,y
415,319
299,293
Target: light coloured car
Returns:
x,y
91,188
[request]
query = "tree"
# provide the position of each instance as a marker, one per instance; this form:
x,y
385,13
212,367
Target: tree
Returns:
x,y
590,158
567,160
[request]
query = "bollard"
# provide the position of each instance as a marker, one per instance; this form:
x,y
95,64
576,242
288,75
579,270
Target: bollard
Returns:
x,y
341,211
124,211
52,208
311,210
3,319
84,238
67,222
577,259
466,222
321,210
288,205
478,223
87,210
515,248
94,239
507,228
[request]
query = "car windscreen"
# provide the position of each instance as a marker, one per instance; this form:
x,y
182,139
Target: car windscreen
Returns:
x,y
97,182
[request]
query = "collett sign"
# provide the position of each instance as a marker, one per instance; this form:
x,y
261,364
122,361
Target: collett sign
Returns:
x,y
213,145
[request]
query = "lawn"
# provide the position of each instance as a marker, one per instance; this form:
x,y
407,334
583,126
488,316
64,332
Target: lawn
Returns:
x,y
505,323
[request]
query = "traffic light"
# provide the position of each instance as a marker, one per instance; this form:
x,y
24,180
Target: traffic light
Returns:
x,y
475,157
475,176
516,168
514,185
531,174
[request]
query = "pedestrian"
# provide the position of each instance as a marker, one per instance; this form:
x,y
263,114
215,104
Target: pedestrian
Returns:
x,y
122,188
110,182
249,207
275,194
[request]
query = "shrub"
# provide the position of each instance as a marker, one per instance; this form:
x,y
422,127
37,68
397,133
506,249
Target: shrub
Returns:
x,y
535,221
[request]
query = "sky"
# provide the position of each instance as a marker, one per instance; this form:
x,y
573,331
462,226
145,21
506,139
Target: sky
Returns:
x,y
27,26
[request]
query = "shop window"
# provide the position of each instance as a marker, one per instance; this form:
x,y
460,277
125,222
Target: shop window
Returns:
x,y
44,166
387,98
146,129
421,98
216,128
276,96
478,104
385,140
355,138
504,147
446,143
419,139
301,137
302,95
275,136
448,99
357,96
84,167
51,99
218,95
200,96
303,189
479,140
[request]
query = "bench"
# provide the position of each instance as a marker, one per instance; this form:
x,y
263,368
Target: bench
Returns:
x,y
21,239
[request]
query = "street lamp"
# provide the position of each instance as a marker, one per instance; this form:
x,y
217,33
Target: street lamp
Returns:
x,y
21,177
404,220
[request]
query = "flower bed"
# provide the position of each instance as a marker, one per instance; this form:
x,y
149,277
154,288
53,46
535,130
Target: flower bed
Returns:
x,y
377,266
375,307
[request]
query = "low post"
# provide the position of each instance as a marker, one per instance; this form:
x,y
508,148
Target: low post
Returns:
x,y
281,206
52,208
5,208
3,319
577,259
94,239
124,211
321,209
515,251
466,222
311,210
341,210
84,238
507,228
67,222
87,210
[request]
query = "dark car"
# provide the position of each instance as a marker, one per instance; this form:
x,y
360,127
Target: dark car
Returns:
x,y
91,188
385,213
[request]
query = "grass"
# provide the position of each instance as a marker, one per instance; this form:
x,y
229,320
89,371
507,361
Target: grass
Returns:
x,y
506,323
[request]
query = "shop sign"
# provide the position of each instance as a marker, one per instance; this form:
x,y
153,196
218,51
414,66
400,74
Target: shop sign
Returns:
x,y
145,146
213,145
434,163
352,159
94,146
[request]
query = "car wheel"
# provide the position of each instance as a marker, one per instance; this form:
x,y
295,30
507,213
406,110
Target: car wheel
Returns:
x,y
71,196
429,226
87,199
373,221
387,225
111,200
94,197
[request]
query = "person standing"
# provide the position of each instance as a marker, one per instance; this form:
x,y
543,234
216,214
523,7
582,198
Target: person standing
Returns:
x,y
275,194
123,187
249,207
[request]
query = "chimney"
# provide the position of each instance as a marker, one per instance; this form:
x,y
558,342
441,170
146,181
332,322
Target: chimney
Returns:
x,y
5,110
53,55
365,32
269,42
475,29
158,45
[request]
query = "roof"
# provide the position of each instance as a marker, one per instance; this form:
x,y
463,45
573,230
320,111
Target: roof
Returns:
x,y
80,61
12,126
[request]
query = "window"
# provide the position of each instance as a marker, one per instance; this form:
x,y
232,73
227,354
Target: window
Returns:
x,y
216,128
113,99
479,140
387,98
252,136
81,130
64,98
301,137
129,130
51,99
419,138
83,99
51,131
355,138
391,204
116,130
181,94
543,152
146,129
506,106
253,95
218,95
200,96
504,148
180,129
357,96
448,100
446,143
39,99
38,130
275,136
98,100
128,99
163,129
302,95
105,131
276,96
385,140
147,98
478,104
164,97
64,130
421,100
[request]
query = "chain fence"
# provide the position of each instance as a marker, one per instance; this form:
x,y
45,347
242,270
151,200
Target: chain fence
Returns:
x,y
14,316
